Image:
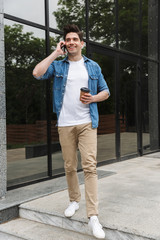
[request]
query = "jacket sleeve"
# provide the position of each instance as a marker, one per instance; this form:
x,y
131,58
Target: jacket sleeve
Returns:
x,y
102,85
48,74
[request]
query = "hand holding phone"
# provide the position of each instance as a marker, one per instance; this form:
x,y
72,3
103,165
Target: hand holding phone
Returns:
x,y
63,47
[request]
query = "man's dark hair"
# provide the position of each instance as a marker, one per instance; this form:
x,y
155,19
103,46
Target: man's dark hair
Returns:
x,y
73,28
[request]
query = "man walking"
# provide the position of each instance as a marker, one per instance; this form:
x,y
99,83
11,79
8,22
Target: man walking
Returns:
x,y
77,117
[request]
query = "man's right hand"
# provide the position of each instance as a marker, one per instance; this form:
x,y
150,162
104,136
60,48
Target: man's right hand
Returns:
x,y
59,48
42,67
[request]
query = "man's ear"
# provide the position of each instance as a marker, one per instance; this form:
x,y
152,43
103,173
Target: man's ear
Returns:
x,y
82,44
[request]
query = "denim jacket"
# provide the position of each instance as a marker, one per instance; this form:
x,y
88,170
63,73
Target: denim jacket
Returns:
x,y
96,83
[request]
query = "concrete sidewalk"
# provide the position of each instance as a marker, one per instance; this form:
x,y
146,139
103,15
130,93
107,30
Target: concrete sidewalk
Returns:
x,y
129,199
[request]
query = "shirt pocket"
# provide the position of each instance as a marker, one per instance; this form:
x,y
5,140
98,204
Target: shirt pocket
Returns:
x,y
58,81
94,84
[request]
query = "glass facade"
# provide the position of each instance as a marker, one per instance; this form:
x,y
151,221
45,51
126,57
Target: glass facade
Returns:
x,y
122,37
128,131
103,30
29,10
26,104
129,25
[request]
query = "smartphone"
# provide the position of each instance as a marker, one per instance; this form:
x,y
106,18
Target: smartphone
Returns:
x,y
63,47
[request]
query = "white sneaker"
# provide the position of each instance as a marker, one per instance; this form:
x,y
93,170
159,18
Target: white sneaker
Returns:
x,y
72,208
96,227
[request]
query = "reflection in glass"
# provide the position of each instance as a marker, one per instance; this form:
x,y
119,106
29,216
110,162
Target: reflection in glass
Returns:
x,y
57,159
128,136
106,129
145,109
53,7
29,10
25,102
102,22
145,31
128,25
67,12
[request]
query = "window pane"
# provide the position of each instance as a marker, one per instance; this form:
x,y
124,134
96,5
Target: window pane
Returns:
x,y
102,21
54,39
53,7
145,110
128,135
26,105
106,129
66,12
145,27
129,25
29,10
57,159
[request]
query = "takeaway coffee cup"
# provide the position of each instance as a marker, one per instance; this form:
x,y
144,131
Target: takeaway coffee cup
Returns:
x,y
84,90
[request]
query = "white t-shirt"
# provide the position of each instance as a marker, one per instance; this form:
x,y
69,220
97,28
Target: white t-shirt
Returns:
x,y
73,111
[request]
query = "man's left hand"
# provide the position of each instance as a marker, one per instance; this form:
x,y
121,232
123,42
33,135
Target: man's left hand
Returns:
x,y
87,98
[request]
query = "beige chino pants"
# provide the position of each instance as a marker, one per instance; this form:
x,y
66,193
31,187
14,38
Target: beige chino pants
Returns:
x,y
84,138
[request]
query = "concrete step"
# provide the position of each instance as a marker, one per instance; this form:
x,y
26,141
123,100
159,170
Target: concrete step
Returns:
x,y
42,210
50,210
23,229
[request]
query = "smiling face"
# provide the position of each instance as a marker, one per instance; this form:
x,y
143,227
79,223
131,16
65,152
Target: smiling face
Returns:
x,y
73,44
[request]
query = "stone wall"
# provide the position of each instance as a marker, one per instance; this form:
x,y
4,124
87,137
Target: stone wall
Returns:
x,y
3,160
153,98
